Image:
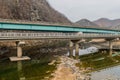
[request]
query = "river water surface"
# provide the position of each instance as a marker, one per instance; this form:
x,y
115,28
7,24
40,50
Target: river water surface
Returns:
x,y
25,70
99,66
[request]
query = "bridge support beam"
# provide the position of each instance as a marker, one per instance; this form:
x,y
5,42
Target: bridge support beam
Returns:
x,y
19,53
74,44
71,44
110,48
77,50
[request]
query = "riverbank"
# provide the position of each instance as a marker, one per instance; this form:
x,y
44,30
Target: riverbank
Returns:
x,y
67,70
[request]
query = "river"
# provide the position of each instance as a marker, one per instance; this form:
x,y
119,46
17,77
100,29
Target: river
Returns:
x,y
101,66
98,66
25,70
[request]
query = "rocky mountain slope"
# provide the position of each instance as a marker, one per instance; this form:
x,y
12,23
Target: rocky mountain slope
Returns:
x,y
32,10
104,22
100,23
86,23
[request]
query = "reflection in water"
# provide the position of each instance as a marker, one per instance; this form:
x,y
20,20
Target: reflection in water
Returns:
x,y
25,70
19,69
101,66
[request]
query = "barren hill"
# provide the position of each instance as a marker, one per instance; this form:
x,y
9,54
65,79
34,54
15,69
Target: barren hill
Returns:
x,y
86,23
32,10
104,22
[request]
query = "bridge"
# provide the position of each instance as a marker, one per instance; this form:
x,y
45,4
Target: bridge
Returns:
x,y
37,31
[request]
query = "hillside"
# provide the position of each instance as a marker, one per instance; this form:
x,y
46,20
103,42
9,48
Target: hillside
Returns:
x,y
104,22
32,10
86,23
100,23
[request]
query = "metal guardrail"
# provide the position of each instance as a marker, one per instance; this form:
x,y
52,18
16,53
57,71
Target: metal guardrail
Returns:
x,y
56,35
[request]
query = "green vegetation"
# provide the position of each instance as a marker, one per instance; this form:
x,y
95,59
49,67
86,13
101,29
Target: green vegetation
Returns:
x,y
38,71
30,70
98,61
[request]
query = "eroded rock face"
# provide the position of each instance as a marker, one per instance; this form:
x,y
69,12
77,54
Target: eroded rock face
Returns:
x,y
33,10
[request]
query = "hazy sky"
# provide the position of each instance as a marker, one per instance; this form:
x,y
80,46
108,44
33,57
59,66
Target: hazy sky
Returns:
x,y
90,9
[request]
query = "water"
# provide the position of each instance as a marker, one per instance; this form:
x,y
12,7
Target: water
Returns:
x,y
112,73
36,69
101,66
25,70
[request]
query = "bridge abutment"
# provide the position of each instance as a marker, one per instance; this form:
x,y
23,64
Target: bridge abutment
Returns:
x,y
19,56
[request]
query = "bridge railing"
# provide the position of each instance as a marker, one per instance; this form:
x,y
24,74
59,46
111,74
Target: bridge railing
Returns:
x,y
33,35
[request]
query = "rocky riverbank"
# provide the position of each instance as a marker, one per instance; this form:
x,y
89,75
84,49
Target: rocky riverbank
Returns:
x,y
67,70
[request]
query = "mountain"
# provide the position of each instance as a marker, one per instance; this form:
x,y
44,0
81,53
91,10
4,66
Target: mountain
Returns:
x,y
86,23
32,10
104,22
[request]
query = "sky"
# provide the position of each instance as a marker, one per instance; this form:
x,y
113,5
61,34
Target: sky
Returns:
x,y
87,9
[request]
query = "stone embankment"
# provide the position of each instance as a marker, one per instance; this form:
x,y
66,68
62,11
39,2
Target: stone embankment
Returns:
x,y
67,70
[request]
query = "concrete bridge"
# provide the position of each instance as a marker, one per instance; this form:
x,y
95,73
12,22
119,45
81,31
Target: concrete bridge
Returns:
x,y
41,31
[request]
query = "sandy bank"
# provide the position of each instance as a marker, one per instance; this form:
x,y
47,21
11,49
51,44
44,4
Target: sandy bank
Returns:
x,y
67,70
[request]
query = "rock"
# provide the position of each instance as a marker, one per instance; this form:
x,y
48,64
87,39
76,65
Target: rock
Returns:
x,y
52,62
67,70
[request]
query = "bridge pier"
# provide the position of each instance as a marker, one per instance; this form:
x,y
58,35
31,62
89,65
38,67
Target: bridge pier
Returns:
x,y
19,52
71,44
74,44
19,56
110,48
77,49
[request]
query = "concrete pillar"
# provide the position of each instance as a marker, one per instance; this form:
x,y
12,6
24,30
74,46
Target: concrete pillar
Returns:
x,y
19,52
110,48
77,49
71,44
